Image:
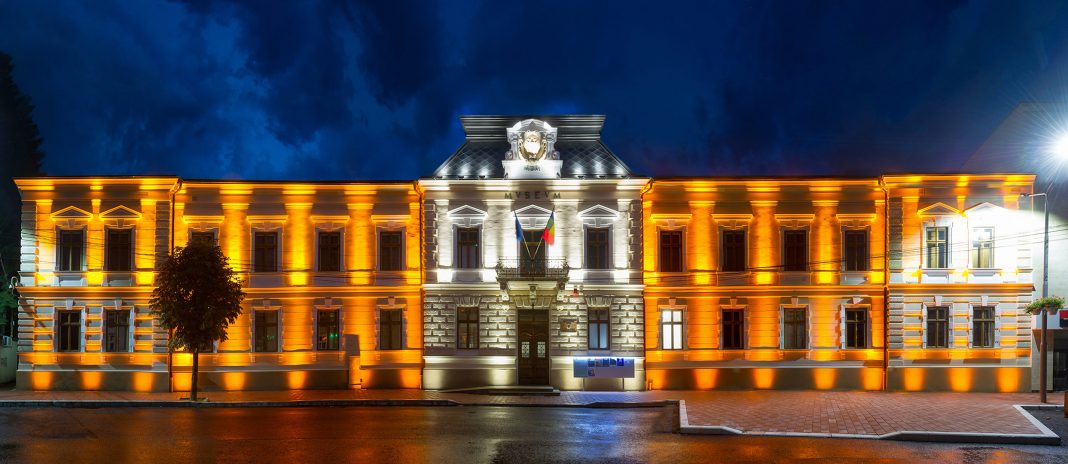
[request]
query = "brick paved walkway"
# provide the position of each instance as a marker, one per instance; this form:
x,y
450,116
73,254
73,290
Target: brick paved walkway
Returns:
x,y
859,413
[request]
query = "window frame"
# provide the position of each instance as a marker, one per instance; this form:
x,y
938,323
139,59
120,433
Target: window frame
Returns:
x,y
933,327
866,310
258,326
319,260
660,249
744,232
607,230
783,327
865,256
397,343
803,265
603,325
193,234
125,339
927,247
671,342
62,245
993,321
275,256
976,248
335,345
458,246
743,340
400,233
469,326
109,264
61,325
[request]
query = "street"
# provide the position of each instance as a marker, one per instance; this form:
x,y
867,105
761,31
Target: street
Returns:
x,y
434,434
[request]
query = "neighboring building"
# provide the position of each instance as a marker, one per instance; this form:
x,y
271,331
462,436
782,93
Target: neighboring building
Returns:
x,y
503,311
534,257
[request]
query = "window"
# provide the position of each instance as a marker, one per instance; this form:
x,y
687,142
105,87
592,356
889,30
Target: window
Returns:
x,y
69,328
597,248
390,245
468,253
330,251
389,330
983,247
983,326
671,251
467,328
327,331
795,250
937,247
856,328
733,253
266,331
938,327
120,250
671,329
856,256
265,257
117,331
794,329
71,249
733,329
206,236
598,329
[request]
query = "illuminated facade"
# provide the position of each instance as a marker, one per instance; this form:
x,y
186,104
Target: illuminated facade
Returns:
x,y
534,257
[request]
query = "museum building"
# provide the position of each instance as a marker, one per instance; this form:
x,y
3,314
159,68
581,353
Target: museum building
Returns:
x,y
533,257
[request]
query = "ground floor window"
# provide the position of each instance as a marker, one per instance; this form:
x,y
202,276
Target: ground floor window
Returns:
x,y
856,328
598,329
467,328
389,329
671,329
794,329
983,326
327,331
68,330
733,328
938,327
266,333
117,331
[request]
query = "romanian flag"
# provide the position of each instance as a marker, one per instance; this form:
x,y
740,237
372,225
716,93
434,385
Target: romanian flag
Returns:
x,y
550,230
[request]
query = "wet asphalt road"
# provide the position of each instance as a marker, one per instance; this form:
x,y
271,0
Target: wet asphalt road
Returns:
x,y
435,434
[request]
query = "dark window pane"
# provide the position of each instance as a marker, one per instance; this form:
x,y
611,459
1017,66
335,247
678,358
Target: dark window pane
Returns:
x,y
71,250
119,250
68,330
794,329
983,327
671,251
267,331
266,252
597,248
117,331
389,329
330,251
795,250
468,251
856,250
733,250
733,329
938,327
467,328
208,237
327,331
598,329
856,328
390,248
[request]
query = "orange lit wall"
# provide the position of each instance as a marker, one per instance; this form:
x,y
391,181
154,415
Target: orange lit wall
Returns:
x,y
764,242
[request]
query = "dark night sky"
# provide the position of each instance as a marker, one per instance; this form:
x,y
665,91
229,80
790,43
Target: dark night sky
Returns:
x,y
310,90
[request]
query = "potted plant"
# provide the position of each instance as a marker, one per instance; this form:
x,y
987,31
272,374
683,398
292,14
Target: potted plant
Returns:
x,y
1050,303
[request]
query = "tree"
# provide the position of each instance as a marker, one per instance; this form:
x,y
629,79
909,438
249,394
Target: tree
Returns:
x,y
197,296
20,156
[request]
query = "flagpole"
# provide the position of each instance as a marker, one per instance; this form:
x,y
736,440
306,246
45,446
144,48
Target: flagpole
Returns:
x,y
520,236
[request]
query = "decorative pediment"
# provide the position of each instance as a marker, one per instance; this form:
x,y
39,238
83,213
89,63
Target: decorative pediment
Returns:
x,y
981,208
939,209
599,211
72,212
532,211
467,212
120,212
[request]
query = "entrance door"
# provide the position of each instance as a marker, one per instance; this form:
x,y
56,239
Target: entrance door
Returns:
x,y
533,359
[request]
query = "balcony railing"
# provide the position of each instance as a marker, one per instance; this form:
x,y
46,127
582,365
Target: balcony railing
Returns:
x,y
532,269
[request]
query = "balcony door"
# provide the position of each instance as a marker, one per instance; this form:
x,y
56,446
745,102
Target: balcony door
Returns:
x,y
532,253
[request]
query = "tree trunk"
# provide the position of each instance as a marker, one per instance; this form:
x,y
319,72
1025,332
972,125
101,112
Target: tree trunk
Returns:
x,y
196,367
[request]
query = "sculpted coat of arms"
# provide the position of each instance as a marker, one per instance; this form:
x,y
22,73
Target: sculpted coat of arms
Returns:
x,y
532,140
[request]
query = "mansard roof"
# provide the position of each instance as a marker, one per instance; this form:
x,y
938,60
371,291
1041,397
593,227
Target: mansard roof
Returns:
x,y
578,142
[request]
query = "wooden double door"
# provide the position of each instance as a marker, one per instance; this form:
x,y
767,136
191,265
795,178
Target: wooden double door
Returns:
x,y
533,363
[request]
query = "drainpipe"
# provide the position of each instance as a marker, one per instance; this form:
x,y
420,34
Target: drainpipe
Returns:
x,y
170,250
886,285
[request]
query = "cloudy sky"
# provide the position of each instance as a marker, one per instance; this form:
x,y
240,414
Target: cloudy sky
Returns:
x,y
372,90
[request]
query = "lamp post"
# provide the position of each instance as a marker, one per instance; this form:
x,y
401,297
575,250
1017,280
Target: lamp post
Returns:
x,y
1045,292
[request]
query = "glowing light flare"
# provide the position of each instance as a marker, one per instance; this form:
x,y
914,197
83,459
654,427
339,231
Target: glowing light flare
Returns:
x,y
871,378
705,379
296,380
94,278
234,381
913,379
1008,380
90,380
961,378
763,379
1059,147
824,378
143,381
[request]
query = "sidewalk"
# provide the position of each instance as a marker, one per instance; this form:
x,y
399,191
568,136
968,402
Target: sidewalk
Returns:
x,y
959,417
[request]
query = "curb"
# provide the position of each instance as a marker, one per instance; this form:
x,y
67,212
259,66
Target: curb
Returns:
x,y
98,404
1046,437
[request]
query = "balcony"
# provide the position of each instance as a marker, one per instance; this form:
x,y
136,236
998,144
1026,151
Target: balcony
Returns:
x,y
533,270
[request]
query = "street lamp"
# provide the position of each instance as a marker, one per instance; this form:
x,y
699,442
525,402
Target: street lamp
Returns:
x,y
1045,289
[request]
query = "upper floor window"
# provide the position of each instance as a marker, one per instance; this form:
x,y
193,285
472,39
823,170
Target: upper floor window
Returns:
x,y
467,328
327,330
468,252
670,251
205,236
671,329
390,250
266,333
597,248
390,329
71,250
938,327
855,244
795,250
329,251
598,328
983,247
856,328
936,248
265,252
119,255
733,250
68,330
983,326
733,327
794,329
117,330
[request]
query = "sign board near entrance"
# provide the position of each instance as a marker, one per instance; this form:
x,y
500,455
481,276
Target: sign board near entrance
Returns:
x,y
604,368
